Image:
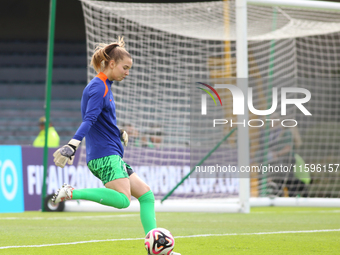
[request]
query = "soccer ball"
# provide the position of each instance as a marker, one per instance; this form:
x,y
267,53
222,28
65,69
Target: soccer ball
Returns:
x,y
159,241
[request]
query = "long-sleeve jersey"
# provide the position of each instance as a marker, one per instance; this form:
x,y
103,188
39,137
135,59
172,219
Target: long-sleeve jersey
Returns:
x,y
99,124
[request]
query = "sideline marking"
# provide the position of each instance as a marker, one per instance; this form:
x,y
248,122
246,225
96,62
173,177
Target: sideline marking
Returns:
x,y
311,211
192,236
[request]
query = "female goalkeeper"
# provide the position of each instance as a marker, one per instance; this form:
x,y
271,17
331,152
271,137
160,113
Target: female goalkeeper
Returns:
x,y
104,149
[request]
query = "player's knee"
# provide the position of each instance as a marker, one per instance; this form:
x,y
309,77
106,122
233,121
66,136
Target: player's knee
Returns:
x,y
143,190
147,197
152,197
125,203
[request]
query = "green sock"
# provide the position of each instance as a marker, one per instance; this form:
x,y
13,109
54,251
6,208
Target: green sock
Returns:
x,y
147,211
103,196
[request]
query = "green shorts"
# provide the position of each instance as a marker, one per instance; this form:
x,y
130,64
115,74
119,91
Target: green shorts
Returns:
x,y
110,168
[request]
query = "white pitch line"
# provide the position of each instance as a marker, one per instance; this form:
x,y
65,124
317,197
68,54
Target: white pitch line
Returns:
x,y
264,233
192,236
69,218
318,211
80,242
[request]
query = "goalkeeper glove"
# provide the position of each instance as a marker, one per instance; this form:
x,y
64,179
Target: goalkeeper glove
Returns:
x,y
66,153
124,137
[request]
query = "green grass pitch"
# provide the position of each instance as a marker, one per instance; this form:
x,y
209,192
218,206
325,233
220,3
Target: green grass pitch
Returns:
x,y
268,230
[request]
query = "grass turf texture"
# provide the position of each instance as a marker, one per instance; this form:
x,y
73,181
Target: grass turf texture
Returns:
x,y
243,233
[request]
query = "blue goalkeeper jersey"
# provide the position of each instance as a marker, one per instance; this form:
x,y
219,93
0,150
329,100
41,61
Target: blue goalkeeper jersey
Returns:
x,y
99,124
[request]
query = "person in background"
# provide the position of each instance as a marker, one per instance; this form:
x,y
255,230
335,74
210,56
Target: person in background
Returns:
x,y
145,141
283,143
52,139
136,138
156,135
132,132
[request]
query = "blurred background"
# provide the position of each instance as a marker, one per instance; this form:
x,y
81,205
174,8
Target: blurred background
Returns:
x,y
23,46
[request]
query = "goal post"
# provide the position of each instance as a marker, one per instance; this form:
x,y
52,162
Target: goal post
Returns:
x,y
274,48
49,70
242,83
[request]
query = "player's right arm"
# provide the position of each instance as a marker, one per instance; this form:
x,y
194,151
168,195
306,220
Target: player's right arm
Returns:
x,y
94,106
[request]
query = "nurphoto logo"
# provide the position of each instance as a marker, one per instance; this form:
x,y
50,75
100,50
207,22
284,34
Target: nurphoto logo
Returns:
x,y
239,104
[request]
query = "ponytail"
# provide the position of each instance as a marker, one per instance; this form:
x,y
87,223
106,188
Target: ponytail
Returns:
x,y
104,53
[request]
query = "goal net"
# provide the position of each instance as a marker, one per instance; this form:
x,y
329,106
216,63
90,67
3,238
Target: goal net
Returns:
x,y
175,46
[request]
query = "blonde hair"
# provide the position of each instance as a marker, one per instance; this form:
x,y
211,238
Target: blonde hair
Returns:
x,y
104,53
